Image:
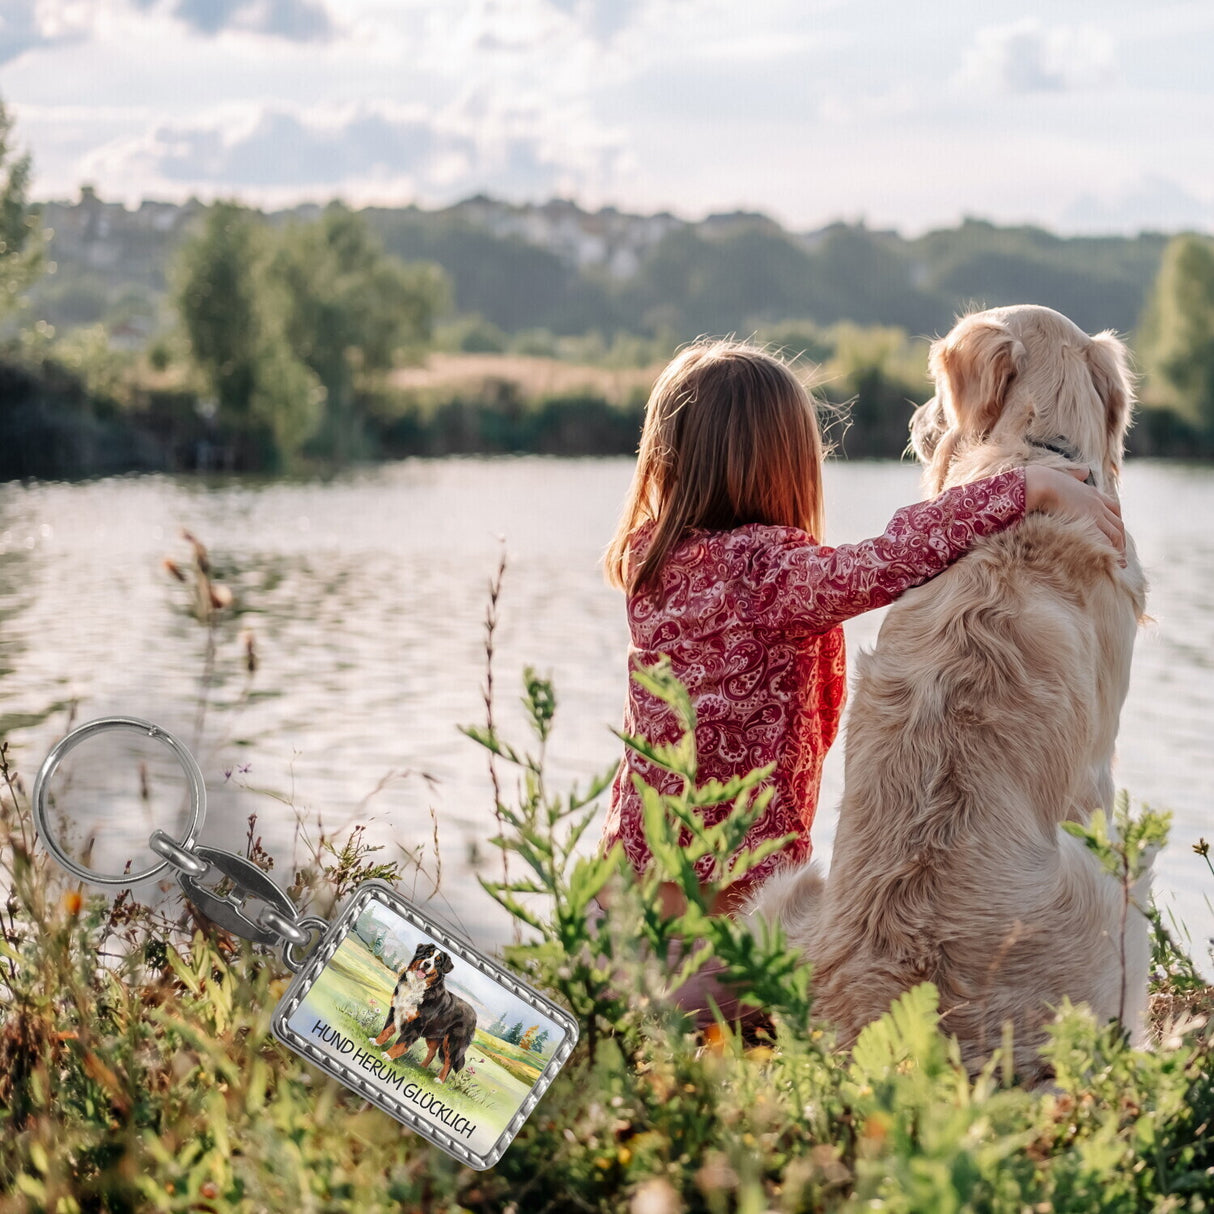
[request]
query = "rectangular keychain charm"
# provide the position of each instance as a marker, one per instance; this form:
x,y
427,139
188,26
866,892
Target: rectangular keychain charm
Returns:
x,y
427,1028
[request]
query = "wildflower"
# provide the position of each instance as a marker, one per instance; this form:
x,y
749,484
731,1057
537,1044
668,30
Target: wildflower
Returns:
x,y
72,901
1202,848
655,1196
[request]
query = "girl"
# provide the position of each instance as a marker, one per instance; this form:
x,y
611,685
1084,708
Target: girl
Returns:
x,y
717,550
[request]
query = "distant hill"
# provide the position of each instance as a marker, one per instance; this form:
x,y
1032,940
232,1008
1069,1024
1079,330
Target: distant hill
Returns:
x,y
560,268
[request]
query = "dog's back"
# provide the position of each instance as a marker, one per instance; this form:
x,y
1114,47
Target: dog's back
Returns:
x,y
985,716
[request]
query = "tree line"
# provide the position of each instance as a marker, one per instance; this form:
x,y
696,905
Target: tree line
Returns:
x,y
282,331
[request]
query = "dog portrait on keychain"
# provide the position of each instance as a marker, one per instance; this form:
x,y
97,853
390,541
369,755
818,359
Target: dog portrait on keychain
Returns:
x,y
984,720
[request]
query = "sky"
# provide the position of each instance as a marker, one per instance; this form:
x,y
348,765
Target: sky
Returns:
x,y
1080,117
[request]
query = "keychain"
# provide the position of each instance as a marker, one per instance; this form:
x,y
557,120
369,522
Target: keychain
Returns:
x,y
383,999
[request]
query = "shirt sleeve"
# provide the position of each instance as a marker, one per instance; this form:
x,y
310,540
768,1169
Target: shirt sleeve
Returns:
x,y
806,587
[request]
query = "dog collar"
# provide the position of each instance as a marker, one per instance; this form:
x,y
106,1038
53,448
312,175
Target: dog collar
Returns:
x,y
1061,446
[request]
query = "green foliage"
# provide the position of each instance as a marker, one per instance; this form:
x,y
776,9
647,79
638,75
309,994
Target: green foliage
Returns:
x,y
348,310
898,1125
21,236
286,326
497,419
1100,282
471,334
88,354
1176,342
219,298
1124,845
499,293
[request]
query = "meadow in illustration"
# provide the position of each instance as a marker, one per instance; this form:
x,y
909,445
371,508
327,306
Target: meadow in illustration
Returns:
x,y
345,1009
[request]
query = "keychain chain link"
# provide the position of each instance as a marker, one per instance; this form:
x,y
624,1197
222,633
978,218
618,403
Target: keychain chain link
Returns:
x,y
277,923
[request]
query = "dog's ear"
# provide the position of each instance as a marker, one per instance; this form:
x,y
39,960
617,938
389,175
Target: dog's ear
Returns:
x,y
443,963
1108,364
926,429
973,366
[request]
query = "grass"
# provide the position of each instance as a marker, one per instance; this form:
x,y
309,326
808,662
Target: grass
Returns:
x,y
137,1070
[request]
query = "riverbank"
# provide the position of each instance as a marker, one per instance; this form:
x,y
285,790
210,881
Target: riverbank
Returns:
x,y
53,428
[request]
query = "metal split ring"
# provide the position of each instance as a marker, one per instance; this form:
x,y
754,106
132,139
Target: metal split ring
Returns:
x,y
172,850
308,924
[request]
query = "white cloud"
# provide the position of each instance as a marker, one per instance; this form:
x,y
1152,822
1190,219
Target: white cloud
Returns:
x,y
27,25
1027,57
293,20
30,25
367,153
803,108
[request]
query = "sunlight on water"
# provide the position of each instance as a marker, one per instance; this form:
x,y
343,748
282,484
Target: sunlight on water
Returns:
x,y
366,598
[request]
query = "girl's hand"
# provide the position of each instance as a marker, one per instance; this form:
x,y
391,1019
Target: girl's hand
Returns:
x,y
1058,492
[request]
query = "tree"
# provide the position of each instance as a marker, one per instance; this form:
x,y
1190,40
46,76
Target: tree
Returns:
x,y
217,293
21,236
266,397
287,326
1176,339
350,308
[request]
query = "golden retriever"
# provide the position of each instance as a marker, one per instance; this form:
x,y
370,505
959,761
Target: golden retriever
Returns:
x,y
986,716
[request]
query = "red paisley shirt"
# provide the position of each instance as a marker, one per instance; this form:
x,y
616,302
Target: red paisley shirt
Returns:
x,y
751,620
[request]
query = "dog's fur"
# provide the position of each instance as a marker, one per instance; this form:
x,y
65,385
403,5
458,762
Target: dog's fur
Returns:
x,y
423,1007
985,717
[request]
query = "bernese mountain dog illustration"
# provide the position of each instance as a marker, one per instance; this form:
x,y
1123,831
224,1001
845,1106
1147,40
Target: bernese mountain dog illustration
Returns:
x,y
423,1007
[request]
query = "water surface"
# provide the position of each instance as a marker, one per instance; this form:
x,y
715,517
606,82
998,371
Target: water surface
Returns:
x,y
366,599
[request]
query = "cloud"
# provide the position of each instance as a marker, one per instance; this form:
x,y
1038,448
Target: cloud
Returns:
x,y
18,31
27,25
603,19
1029,58
281,148
370,152
294,20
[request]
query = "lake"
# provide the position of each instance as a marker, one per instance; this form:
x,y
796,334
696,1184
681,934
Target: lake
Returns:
x,y
366,597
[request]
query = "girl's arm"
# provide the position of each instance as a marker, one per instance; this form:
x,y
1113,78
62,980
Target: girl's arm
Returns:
x,y
813,587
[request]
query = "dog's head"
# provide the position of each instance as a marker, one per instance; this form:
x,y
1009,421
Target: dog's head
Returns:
x,y
1011,375
431,962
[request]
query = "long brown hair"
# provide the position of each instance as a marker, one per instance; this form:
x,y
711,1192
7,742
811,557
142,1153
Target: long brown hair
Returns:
x,y
730,437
